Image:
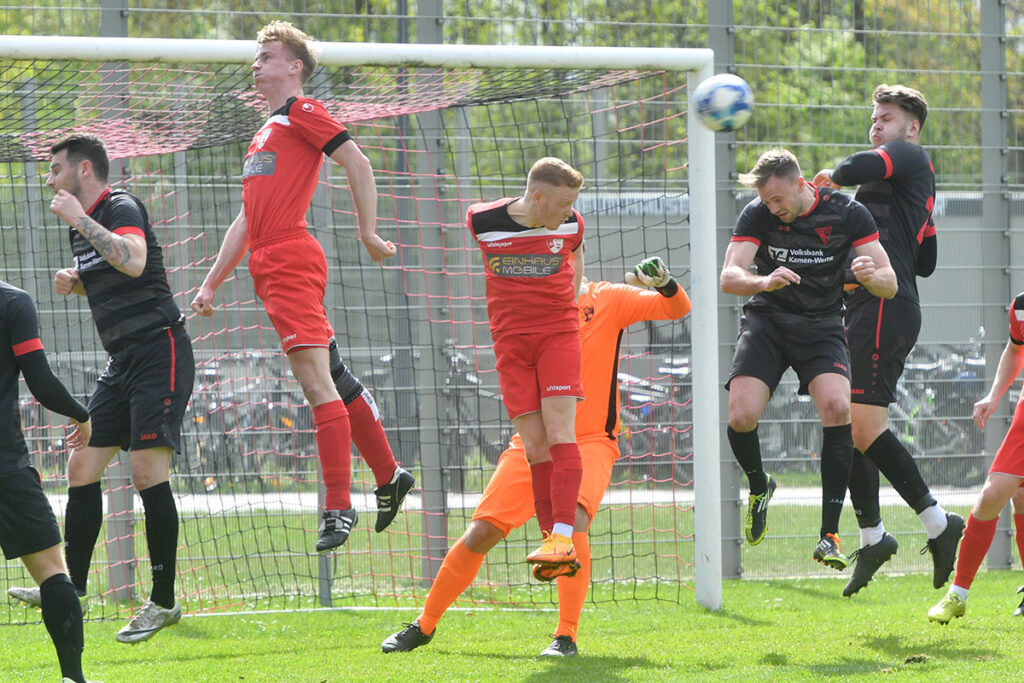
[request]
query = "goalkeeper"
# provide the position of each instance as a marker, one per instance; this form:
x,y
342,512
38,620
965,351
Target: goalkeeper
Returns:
x,y
604,310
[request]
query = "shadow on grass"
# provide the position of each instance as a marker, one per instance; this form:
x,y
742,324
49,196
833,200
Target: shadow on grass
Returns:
x,y
954,648
595,668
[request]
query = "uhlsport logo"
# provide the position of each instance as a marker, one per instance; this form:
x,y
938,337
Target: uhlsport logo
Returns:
x,y
555,244
307,107
261,138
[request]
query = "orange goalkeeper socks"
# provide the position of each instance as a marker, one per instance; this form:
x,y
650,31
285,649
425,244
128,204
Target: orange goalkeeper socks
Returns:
x,y
458,570
572,591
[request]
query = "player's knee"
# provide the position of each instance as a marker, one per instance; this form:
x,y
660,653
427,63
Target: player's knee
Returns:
x,y
85,467
481,536
742,420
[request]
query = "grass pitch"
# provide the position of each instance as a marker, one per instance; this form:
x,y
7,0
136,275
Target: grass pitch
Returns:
x,y
797,629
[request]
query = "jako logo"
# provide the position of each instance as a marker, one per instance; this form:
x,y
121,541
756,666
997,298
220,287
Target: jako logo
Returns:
x,y
779,254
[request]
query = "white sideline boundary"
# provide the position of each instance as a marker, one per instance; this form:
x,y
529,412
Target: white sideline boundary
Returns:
x,y
236,503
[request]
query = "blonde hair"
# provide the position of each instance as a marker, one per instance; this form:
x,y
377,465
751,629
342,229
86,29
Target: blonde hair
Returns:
x,y
300,45
779,163
554,171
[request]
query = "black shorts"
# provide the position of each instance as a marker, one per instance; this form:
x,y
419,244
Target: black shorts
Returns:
x,y
27,523
881,334
141,396
772,341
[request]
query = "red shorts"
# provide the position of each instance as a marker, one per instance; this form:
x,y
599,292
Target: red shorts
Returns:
x,y
532,366
1010,456
291,280
507,502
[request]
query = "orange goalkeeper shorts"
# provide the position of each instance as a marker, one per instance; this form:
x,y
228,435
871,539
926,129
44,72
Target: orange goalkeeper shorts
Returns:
x,y
507,502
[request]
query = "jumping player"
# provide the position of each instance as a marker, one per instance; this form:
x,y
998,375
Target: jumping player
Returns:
x,y
533,258
799,237
1005,477
897,185
28,529
289,270
604,310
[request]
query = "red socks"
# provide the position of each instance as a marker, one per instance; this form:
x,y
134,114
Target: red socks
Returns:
x,y
566,475
334,446
977,540
540,477
368,435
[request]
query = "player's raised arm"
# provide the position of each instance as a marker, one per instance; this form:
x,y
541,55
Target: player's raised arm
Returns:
x,y
232,251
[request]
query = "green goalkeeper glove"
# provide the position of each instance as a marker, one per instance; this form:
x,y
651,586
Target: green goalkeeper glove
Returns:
x,y
651,272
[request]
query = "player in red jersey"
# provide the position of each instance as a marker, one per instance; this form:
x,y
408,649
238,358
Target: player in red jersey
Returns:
x,y
1005,477
289,267
533,256
604,310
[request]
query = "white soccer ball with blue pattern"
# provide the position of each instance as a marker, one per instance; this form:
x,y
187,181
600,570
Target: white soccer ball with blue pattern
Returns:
x,y
724,102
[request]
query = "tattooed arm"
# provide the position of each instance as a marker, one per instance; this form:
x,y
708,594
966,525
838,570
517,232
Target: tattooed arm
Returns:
x,y
126,253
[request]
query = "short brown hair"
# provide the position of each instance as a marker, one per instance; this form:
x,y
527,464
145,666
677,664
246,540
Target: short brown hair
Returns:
x,y
81,147
554,171
298,43
775,162
906,98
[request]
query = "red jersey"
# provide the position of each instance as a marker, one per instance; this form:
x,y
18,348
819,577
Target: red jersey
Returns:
x,y
1017,319
528,271
282,166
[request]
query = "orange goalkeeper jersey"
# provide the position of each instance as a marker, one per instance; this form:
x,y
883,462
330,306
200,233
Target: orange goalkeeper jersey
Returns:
x,y
605,310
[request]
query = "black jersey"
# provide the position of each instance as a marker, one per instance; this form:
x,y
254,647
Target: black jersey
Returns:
x,y
19,335
816,246
900,194
126,309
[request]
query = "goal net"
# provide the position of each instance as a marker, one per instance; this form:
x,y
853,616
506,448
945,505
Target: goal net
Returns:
x,y
442,131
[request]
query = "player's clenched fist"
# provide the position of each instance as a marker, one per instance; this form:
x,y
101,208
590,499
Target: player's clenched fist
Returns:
x,y
67,206
66,282
202,304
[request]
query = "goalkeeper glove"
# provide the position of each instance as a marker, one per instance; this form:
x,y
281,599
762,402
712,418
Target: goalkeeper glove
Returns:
x,y
651,272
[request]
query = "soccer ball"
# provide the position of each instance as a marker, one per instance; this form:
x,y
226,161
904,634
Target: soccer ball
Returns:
x,y
723,102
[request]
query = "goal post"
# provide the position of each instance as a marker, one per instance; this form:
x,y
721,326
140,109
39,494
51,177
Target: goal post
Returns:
x,y
442,131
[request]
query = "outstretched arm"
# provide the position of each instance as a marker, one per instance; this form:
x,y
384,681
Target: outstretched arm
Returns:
x,y
232,251
364,194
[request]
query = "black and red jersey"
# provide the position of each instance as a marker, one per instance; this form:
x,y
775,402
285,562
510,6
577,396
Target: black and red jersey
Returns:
x,y
816,246
282,166
19,335
528,271
897,185
126,309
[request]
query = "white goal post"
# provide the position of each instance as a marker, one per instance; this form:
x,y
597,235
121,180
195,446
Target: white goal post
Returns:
x,y
700,156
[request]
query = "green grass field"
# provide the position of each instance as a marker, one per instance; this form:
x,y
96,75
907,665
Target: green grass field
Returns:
x,y
792,629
